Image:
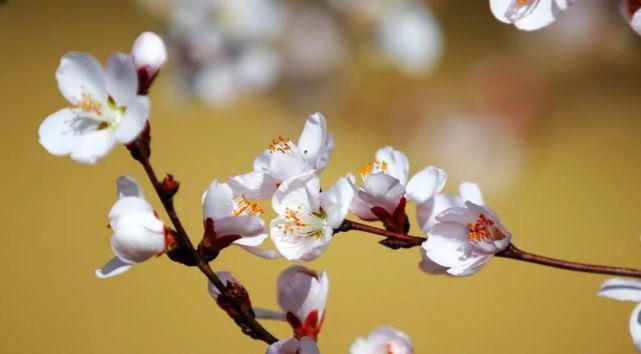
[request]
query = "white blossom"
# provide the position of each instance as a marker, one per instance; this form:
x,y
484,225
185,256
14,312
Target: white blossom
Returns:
x,y
302,295
385,182
631,11
149,53
234,218
307,217
284,160
105,107
464,239
138,234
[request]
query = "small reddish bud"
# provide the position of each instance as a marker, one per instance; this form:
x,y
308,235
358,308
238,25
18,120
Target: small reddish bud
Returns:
x,y
169,186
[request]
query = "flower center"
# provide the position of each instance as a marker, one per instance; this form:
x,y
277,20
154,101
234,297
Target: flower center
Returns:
x,y
378,166
522,2
282,145
303,223
108,115
484,230
244,207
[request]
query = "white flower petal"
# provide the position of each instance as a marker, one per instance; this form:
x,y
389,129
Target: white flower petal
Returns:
x,y
137,237
448,245
426,183
265,254
302,191
254,185
133,121
635,327
426,213
60,132
114,267
80,75
430,267
301,291
635,22
313,138
92,146
129,204
381,190
530,16
251,228
121,78
218,201
336,201
621,289
261,162
297,248
472,266
128,187
471,192
290,164
397,164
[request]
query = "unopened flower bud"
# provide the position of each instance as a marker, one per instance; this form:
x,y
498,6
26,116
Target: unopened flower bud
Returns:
x,y
169,186
149,53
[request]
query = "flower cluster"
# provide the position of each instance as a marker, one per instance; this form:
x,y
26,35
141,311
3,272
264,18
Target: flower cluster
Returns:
x,y
109,106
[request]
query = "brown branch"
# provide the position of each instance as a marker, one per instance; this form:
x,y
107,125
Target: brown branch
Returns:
x,y
246,319
514,253
510,252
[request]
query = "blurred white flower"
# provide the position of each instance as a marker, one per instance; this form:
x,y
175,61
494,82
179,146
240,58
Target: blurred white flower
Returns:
x,y
235,220
313,45
302,295
465,238
105,108
410,37
307,217
383,340
631,10
305,345
284,160
626,290
385,183
138,234
528,15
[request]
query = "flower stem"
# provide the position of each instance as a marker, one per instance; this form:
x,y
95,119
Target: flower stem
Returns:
x,y
255,329
510,252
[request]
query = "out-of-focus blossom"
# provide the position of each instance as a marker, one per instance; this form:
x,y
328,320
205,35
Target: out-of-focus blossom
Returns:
x,y
410,37
465,238
313,45
233,220
479,148
105,108
305,345
283,160
631,10
383,340
225,278
307,217
302,295
138,234
626,290
528,15
385,182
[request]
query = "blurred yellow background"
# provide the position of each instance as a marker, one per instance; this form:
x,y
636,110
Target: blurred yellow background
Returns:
x,y
568,188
